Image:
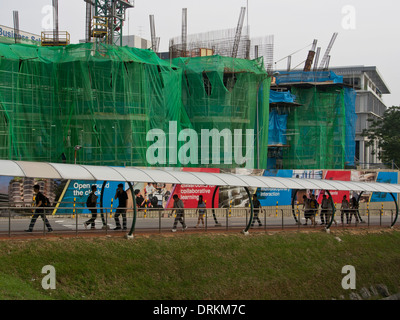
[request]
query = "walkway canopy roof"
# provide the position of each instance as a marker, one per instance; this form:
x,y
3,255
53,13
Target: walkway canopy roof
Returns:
x,y
133,174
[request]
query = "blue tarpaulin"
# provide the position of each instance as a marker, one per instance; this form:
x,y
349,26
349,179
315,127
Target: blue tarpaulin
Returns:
x,y
277,96
351,119
310,76
277,128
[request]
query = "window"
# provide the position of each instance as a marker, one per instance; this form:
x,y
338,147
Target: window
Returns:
x,y
207,83
229,80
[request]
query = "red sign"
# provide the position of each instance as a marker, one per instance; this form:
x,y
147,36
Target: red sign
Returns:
x,y
189,193
337,196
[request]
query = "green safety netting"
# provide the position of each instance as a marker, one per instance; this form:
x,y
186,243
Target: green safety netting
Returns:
x,y
316,131
229,96
107,99
104,99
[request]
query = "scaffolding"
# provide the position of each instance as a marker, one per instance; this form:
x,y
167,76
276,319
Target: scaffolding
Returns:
x,y
219,42
222,93
105,20
54,99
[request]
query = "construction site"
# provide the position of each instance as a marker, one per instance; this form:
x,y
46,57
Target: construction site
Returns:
x,y
95,102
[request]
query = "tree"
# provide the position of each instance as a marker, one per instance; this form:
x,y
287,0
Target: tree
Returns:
x,y
386,132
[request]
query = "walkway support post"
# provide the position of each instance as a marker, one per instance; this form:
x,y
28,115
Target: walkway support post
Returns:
x,y
246,230
130,234
217,224
333,211
397,210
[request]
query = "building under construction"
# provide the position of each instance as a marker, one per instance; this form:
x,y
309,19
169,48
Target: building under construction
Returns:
x,y
95,103
312,121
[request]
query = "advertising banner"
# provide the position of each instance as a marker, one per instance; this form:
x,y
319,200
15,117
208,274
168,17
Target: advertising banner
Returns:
x,y
79,190
189,193
7,35
269,197
384,177
337,196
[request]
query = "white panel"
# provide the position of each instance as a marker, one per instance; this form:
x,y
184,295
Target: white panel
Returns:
x,y
209,179
280,183
186,177
233,180
340,185
377,187
134,174
253,182
394,187
72,172
305,184
323,184
358,186
104,173
161,176
301,183
39,170
10,168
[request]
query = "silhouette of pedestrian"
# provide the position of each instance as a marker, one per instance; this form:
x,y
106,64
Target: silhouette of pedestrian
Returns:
x,y
180,213
40,201
91,203
122,197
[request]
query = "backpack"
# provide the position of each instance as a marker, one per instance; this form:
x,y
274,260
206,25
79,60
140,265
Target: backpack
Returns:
x,y
46,202
89,202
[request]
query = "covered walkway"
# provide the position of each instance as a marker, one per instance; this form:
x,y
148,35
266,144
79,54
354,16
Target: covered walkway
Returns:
x,y
133,175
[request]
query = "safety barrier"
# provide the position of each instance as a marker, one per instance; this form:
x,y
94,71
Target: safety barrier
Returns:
x,y
15,220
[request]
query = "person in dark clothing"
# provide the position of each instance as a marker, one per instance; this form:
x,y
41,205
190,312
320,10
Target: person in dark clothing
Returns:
x,y
40,200
257,208
180,213
354,209
122,197
91,203
140,200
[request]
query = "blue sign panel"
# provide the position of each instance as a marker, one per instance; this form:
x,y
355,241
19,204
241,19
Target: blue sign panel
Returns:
x,y
269,197
384,177
79,190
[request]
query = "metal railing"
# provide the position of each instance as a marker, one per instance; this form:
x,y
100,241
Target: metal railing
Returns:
x,y
15,220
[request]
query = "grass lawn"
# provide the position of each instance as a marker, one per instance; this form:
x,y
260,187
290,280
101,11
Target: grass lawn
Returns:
x,y
261,266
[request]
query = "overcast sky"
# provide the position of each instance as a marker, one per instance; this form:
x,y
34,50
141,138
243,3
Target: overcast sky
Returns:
x,y
369,30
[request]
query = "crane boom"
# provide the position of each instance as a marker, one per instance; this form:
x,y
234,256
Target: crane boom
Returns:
x,y
325,58
238,32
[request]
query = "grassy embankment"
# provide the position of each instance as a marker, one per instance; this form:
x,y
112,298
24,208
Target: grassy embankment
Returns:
x,y
200,266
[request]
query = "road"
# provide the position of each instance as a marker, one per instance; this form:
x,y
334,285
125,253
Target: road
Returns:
x,y
68,225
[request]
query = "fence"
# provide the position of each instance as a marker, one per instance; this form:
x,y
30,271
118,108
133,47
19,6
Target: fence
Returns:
x,y
15,220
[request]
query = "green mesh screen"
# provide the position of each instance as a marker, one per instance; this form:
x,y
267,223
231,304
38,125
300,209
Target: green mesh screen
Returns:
x,y
316,130
107,100
222,93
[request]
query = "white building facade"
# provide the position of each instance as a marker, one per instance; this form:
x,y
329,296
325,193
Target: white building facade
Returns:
x,y
370,88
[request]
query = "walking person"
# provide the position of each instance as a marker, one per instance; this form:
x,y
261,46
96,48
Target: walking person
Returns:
x,y
345,209
122,197
180,213
91,203
40,202
324,210
140,201
257,208
313,208
201,205
306,209
354,209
